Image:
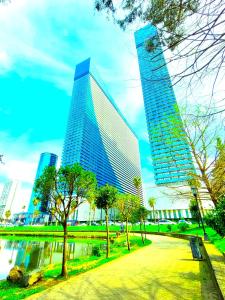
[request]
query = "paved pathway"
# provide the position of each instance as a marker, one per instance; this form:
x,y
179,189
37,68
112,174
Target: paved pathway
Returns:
x,y
162,271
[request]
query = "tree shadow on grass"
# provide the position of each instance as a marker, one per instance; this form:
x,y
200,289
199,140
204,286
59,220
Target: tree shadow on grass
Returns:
x,y
208,287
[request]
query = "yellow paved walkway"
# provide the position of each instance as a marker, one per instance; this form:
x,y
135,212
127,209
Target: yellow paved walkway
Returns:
x,y
163,271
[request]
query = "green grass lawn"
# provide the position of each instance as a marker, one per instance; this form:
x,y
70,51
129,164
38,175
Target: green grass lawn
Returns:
x,y
9,291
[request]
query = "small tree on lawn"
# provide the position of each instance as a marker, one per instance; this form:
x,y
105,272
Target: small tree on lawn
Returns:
x,y
216,218
93,208
142,215
91,201
152,202
137,185
36,213
35,203
127,204
105,199
22,217
62,191
7,214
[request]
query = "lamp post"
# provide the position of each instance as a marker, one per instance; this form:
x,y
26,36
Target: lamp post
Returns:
x,y
195,194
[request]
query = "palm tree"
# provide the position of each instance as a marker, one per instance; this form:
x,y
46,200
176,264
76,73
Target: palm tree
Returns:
x,y
106,198
93,208
152,202
7,214
36,213
127,205
137,184
35,202
91,200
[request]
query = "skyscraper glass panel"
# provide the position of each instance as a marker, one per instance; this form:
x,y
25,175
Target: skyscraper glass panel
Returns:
x,y
46,160
7,198
98,136
171,155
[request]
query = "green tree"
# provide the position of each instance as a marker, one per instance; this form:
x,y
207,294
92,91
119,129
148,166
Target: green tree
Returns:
x,y
152,203
63,191
7,214
127,204
91,201
216,218
193,206
141,214
218,172
35,203
105,199
194,182
137,184
200,136
36,213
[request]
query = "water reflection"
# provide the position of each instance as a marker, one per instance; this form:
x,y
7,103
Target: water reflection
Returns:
x,y
34,254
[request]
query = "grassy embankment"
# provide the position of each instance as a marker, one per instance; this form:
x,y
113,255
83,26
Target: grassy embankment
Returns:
x,y
98,231
9,291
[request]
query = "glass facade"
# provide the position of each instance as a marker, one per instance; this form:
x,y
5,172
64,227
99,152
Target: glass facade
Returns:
x,y
170,154
7,198
46,160
98,136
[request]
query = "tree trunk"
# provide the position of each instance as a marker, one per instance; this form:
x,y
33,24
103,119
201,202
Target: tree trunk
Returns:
x,y
101,217
90,215
64,257
51,251
154,214
145,230
127,233
142,236
107,232
204,177
93,217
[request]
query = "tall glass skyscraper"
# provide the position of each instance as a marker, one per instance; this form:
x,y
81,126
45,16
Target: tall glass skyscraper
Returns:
x,y
46,160
170,154
98,136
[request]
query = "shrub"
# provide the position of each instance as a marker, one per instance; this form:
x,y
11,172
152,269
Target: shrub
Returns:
x,y
183,226
216,218
96,251
169,227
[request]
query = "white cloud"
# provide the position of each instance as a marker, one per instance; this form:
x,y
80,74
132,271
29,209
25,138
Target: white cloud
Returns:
x,y
5,62
20,45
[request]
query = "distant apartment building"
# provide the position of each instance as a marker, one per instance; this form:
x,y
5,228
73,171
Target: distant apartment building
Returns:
x,y
8,198
98,136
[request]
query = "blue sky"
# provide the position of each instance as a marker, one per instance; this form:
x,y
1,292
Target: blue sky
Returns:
x,y
40,44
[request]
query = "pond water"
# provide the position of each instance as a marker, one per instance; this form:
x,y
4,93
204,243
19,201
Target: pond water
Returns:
x,y
36,253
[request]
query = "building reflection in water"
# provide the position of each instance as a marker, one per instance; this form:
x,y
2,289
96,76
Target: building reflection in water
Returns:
x,y
34,254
